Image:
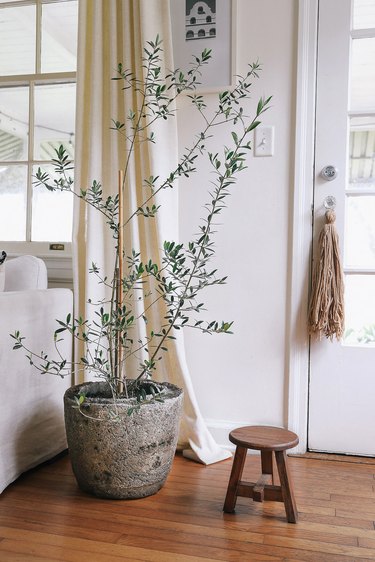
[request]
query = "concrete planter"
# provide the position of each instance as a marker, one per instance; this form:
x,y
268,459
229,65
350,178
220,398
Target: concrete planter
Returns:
x,y
116,455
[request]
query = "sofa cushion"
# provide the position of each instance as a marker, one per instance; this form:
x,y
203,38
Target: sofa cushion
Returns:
x,y
25,272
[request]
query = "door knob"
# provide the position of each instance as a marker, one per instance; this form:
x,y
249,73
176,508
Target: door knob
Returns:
x,y
329,173
330,202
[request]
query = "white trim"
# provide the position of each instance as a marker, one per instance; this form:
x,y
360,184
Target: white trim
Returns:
x,y
59,268
362,113
38,37
358,271
46,78
220,430
360,192
298,359
362,33
16,3
30,156
39,249
233,42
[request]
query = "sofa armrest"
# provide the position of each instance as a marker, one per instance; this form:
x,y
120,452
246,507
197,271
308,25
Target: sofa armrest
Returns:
x,y
31,415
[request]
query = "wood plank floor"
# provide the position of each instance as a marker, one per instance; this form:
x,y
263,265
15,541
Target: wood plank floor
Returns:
x,y
45,518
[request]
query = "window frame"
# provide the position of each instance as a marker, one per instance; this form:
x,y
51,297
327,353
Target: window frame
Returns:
x,y
41,249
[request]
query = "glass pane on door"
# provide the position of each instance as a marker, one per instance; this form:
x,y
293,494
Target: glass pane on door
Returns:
x,y
360,233
362,89
362,153
360,310
363,14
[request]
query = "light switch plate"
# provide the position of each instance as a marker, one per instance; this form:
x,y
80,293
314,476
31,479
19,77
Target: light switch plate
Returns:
x,y
264,140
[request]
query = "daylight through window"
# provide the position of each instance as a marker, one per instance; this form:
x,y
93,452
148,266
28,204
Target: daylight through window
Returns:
x,y
38,44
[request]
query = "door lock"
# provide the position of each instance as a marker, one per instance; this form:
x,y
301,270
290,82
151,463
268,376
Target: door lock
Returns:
x,y
329,173
330,203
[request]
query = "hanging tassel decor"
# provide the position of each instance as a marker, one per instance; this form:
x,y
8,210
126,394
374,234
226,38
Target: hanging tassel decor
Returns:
x,y
326,313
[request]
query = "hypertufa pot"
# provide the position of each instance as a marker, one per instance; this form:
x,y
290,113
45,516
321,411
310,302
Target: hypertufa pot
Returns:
x,y
116,455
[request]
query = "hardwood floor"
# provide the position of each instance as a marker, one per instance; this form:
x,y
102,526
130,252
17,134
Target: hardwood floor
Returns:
x,y
45,518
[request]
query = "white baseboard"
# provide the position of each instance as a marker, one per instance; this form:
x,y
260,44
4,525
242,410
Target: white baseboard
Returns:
x,y
220,430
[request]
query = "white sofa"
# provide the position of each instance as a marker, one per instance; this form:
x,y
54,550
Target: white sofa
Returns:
x,y
31,409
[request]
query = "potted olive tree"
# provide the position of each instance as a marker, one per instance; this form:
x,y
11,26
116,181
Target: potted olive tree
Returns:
x,y
122,432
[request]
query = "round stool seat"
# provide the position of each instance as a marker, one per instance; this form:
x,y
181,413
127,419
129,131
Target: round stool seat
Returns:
x,y
264,438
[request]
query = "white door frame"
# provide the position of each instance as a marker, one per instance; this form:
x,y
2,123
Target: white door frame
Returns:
x,y
300,261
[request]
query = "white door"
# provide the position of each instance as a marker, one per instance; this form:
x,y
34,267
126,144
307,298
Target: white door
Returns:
x,y
342,374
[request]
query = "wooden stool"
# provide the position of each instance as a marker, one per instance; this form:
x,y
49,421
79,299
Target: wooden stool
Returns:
x,y
266,440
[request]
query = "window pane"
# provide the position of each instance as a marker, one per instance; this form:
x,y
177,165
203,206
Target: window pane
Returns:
x,y
13,186
17,40
59,37
14,118
360,232
54,119
52,213
362,153
360,310
362,88
363,14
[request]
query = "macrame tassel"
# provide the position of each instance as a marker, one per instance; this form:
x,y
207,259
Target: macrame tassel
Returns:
x,y
326,314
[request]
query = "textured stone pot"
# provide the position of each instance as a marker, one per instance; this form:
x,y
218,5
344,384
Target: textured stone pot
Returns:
x,y
116,455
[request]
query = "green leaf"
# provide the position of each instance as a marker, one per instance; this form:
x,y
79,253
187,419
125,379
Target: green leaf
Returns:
x,y
252,126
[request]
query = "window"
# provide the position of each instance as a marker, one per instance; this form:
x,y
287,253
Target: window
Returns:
x,y
193,21
201,33
38,43
208,19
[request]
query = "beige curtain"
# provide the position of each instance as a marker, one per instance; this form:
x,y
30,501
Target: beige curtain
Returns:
x,y
113,31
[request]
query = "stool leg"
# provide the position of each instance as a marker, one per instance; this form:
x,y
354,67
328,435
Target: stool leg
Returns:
x,y
267,463
235,477
286,487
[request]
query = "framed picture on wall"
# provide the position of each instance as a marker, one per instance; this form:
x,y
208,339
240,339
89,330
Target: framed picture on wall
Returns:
x,y
205,24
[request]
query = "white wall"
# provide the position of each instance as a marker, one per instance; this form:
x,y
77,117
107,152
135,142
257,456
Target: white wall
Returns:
x,y
240,379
